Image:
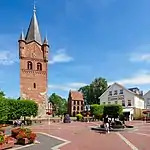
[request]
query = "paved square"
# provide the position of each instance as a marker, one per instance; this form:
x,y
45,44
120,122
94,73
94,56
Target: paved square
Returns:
x,y
82,138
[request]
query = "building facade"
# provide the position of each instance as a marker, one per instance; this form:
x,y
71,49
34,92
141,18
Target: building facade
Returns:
x,y
147,100
131,100
33,55
75,103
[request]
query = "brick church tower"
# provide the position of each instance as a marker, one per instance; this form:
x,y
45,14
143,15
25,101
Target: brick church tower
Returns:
x,y
33,54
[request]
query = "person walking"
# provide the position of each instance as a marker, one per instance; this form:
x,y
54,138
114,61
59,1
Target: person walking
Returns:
x,y
106,123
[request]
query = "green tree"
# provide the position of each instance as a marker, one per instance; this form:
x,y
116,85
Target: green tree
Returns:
x,y
4,110
14,109
28,108
93,91
2,94
113,110
59,103
97,110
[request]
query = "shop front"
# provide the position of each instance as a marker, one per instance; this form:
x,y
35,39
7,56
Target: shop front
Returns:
x,y
128,113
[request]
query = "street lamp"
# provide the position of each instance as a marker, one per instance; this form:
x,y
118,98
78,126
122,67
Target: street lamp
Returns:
x,y
49,112
87,110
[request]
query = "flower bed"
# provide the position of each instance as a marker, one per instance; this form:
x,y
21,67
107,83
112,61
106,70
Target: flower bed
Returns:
x,y
6,141
23,135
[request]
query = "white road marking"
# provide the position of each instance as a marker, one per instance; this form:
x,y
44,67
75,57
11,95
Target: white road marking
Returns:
x,y
142,134
57,146
127,142
36,142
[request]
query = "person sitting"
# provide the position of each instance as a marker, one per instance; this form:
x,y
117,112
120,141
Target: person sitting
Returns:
x,y
17,123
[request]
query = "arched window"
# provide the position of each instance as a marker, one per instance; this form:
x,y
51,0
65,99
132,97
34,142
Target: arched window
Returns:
x,y
34,85
29,65
39,66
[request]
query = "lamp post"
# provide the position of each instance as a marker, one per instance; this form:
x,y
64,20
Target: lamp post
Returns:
x,y
87,110
49,112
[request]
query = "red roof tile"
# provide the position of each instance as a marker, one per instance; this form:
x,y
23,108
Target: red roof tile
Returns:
x,y
75,95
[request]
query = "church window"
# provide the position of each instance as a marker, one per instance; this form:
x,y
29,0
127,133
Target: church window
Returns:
x,y
34,85
29,65
39,66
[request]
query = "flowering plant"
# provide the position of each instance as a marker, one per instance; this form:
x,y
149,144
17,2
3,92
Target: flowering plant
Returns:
x,y
21,133
2,139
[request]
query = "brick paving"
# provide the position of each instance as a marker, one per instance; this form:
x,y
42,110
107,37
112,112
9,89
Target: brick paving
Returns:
x,y
82,138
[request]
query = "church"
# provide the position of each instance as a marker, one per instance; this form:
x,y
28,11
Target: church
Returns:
x,y
33,55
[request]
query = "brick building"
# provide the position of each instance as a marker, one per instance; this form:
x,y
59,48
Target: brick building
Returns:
x,y
33,55
75,103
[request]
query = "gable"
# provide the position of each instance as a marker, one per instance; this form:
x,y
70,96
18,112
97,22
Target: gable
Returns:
x,y
117,87
147,94
34,50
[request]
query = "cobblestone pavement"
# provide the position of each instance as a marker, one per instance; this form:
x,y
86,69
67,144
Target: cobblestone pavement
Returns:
x,y
82,138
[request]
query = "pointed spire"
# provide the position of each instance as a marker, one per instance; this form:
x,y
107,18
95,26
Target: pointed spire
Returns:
x,y
45,40
22,36
33,33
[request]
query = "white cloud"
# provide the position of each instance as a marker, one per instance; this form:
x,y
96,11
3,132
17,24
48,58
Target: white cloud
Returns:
x,y
67,87
140,78
140,57
7,58
60,56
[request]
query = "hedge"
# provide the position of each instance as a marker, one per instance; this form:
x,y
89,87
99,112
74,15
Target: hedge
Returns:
x,y
11,109
112,110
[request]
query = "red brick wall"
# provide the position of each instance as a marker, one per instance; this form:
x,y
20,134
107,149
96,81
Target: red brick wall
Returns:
x,y
32,52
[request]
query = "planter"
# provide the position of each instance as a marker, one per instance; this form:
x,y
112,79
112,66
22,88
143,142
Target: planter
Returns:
x,y
10,144
15,132
23,141
23,136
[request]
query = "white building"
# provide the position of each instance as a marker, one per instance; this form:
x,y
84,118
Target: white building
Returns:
x,y
147,100
130,99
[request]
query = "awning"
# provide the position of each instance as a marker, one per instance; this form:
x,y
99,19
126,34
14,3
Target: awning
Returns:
x,y
128,110
146,112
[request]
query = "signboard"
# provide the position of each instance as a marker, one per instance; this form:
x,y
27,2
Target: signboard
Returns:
x,y
114,98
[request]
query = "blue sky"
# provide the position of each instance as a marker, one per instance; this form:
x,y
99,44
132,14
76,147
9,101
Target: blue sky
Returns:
x,y
88,38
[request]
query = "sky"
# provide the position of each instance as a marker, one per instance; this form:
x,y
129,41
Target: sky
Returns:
x,y
88,39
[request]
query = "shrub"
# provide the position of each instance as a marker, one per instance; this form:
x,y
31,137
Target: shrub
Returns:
x,y
4,110
2,139
11,109
97,110
79,117
113,110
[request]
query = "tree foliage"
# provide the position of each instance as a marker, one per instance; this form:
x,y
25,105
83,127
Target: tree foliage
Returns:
x,y
2,94
93,91
11,109
59,103
4,110
113,110
97,110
